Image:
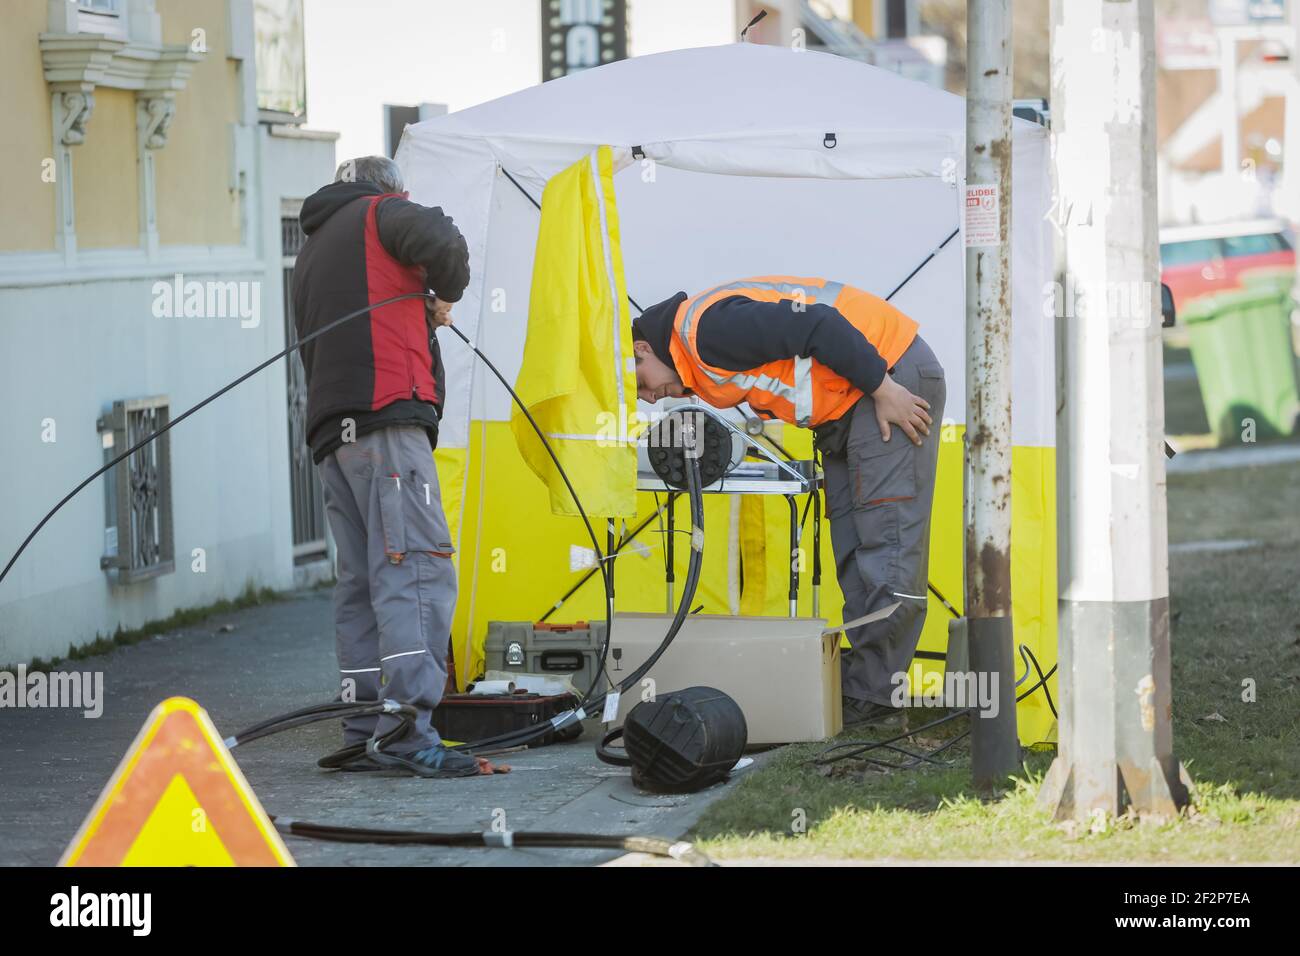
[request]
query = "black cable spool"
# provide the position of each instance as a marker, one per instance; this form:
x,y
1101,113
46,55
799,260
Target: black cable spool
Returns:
x,y
680,742
666,447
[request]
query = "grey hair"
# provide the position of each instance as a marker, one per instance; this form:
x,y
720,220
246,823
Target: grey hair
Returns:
x,y
380,170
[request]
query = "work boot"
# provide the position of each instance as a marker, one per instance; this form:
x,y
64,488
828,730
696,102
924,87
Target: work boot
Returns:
x,y
866,713
350,759
438,761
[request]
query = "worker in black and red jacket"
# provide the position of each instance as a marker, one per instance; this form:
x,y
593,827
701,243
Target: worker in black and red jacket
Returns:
x,y
374,398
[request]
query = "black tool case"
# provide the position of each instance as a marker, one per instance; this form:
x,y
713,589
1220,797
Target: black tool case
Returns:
x,y
464,718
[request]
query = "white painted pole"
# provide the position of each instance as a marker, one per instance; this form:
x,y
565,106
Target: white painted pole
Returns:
x,y
1115,738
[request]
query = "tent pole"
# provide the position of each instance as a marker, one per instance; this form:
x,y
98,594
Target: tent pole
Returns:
x,y
1116,738
995,746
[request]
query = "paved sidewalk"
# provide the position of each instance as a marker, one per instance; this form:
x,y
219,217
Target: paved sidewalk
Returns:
x,y
279,657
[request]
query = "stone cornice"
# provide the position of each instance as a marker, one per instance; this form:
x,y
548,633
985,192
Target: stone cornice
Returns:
x,y
77,63
83,61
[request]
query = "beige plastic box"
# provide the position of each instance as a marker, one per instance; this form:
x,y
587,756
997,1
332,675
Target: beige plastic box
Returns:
x,y
781,671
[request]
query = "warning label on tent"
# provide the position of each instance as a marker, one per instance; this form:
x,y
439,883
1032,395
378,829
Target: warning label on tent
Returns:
x,y
983,228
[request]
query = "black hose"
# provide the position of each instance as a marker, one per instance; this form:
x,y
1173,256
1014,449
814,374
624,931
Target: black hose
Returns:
x,y
1031,661
405,712
592,704
854,748
677,850
591,532
618,549
695,491
341,707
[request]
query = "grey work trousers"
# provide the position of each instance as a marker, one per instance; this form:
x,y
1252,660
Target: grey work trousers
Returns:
x,y
396,588
878,499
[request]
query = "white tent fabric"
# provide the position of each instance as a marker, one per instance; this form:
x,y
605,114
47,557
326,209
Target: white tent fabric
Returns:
x,y
740,178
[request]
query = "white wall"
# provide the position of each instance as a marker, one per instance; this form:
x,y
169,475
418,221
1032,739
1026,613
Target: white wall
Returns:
x,y
70,350
71,342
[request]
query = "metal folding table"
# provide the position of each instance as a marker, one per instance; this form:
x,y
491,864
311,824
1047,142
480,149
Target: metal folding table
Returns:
x,y
758,478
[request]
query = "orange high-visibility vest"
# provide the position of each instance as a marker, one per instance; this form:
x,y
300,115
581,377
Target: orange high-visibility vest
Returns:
x,y
798,390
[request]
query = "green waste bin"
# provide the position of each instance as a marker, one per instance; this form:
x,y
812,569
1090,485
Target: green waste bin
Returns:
x,y
1245,364
1278,278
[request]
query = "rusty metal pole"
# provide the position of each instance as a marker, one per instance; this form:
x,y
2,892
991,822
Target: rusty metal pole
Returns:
x,y
995,747
1116,740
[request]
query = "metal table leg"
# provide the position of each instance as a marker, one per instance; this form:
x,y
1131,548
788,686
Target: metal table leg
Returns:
x,y
817,553
611,546
794,554
670,574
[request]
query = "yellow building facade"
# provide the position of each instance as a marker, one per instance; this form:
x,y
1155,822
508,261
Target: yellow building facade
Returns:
x,y
141,158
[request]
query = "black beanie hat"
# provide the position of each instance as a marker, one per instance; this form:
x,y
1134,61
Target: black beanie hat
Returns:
x,y
655,325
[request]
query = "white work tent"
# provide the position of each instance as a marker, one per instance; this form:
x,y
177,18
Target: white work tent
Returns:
x,y
756,160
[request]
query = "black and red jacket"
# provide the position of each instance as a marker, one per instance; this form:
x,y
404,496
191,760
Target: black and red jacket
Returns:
x,y
383,368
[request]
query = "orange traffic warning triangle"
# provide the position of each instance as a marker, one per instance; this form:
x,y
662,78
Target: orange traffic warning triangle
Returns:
x,y
177,799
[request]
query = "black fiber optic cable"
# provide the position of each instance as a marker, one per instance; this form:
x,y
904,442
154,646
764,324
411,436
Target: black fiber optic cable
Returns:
x,y
522,839
921,265
333,711
283,722
601,563
190,411
627,539
309,715
1031,661
593,704
590,703
855,748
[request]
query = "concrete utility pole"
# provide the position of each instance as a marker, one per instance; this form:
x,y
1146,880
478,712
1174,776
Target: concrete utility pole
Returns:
x,y
1116,745
995,746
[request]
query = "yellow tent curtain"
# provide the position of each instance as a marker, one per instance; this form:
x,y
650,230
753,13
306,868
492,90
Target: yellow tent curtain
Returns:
x,y
577,379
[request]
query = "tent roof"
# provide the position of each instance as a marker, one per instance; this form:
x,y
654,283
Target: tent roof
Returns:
x,y
707,92
735,134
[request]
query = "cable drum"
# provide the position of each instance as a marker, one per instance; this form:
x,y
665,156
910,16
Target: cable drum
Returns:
x,y
718,450
680,742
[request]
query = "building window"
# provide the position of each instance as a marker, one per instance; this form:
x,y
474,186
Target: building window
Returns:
x,y
107,17
895,19
281,71
138,493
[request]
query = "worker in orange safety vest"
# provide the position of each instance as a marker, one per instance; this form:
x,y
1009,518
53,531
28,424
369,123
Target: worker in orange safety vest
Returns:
x,y
824,355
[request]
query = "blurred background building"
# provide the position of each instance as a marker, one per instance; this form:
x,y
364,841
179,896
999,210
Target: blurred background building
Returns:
x,y
1224,67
